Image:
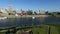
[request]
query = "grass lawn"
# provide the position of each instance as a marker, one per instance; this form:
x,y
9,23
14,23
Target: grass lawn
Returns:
x,y
18,31
53,30
42,30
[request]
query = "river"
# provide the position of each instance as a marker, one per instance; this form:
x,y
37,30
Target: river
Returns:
x,y
21,21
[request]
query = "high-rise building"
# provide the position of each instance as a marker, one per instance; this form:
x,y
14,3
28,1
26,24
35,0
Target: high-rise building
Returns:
x,y
10,9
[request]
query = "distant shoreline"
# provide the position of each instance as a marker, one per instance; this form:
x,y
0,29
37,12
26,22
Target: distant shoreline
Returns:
x,y
26,16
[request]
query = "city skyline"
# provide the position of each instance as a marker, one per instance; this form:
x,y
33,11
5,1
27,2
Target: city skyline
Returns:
x,y
50,5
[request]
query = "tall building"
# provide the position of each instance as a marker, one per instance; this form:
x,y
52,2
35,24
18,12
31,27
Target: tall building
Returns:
x,y
10,9
3,10
42,11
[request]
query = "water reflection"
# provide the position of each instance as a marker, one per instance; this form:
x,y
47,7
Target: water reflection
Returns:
x,y
42,19
22,21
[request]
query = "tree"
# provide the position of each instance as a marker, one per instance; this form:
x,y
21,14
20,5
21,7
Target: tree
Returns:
x,y
35,13
29,12
0,12
58,13
47,12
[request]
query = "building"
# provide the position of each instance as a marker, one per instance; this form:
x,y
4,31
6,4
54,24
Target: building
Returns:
x,y
10,9
14,12
18,11
3,10
33,12
41,11
37,12
24,13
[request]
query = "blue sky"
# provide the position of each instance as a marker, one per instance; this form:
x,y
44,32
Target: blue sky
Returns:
x,y
51,5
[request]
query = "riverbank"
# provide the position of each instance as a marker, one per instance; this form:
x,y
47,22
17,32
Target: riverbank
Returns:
x,y
57,15
55,28
41,29
24,16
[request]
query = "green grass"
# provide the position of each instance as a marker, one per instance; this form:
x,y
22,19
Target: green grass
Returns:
x,y
53,30
42,30
18,31
57,26
37,29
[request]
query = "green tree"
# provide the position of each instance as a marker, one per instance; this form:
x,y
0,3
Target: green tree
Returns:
x,y
58,13
29,12
0,12
35,13
47,12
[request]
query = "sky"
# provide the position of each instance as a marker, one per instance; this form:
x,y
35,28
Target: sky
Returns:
x,y
52,5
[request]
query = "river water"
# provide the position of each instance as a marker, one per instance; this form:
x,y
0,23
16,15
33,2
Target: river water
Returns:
x,y
22,21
